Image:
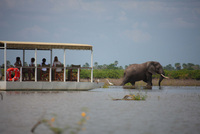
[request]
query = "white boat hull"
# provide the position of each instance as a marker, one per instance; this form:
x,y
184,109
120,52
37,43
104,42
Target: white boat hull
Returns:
x,y
53,86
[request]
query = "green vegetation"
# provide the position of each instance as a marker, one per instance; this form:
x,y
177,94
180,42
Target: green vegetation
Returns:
x,y
103,73
183,74
118,73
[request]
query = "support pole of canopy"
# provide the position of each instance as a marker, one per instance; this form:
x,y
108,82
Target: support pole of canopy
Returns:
x,y
36,65
23,57
21,68
91,65
50,74
5,62
64,65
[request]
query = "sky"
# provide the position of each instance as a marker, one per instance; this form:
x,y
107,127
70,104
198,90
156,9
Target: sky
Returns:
x,y
127,31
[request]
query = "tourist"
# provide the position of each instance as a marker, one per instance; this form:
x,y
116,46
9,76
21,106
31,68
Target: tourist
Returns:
x,y
31,70
57,62
18,62
44,64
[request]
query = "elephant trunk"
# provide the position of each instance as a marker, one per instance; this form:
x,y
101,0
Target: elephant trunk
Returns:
x,y
161,78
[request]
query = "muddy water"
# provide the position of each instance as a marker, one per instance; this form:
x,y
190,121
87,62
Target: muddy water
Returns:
x,y
171,110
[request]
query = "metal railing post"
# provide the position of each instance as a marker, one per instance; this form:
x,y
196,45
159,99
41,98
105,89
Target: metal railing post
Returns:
x,y
64,65
50,69
36,65
20,74
91,65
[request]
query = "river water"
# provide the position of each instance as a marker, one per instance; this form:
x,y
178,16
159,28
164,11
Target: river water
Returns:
x,y
171,110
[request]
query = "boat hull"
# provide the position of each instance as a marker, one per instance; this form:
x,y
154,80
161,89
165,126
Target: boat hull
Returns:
x,y
52,86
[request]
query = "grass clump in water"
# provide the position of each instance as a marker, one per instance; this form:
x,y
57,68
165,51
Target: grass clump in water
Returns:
x,y
137,97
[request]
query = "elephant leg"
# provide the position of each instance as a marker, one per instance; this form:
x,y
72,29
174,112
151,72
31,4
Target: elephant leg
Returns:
x,y
149,80
132,83
145,80
149,83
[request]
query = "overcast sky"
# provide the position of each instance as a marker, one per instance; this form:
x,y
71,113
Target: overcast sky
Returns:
x,y
129,31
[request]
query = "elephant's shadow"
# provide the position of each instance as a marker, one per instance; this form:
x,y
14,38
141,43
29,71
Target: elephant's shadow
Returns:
x,y
138,87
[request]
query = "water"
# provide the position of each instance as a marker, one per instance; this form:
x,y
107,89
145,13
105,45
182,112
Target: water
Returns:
x,y
171,110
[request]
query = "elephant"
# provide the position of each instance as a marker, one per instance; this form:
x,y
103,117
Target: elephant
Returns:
x,y
144,71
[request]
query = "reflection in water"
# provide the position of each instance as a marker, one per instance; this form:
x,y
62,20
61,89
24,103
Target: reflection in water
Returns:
x,y
1,95
170,110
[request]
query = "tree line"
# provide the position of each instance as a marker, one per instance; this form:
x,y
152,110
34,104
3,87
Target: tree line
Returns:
x,y
104,66
188,66
177,66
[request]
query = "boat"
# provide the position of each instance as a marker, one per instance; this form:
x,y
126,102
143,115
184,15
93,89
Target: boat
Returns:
x,y
69,81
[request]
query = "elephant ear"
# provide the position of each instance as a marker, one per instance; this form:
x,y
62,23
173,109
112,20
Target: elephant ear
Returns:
x,y
151,69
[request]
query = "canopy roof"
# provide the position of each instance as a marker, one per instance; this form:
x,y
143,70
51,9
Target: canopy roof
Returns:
x,y
43,45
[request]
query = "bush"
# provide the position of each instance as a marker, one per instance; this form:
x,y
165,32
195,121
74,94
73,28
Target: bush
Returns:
x,y
85,73
195,74
103,73
183,74
118,73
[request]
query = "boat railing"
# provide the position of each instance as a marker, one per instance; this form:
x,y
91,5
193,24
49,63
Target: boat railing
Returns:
x,y
51,70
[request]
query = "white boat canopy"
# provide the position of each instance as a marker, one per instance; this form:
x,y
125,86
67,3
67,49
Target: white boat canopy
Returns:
x,y
43,45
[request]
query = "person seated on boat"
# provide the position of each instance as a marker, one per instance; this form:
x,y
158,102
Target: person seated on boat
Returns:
x,y
18,62
58,74
44,64
55,63
31,70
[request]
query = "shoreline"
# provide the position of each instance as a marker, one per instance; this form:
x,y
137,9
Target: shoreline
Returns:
x,y
165,82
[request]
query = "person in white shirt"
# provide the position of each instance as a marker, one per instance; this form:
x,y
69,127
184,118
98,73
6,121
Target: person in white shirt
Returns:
x,y
32,64
43,64
57,62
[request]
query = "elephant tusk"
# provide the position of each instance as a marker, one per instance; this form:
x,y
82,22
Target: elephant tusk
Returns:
x,y
164,76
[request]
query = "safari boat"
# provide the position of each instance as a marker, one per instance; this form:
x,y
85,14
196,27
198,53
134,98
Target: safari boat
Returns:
x,y
68,79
